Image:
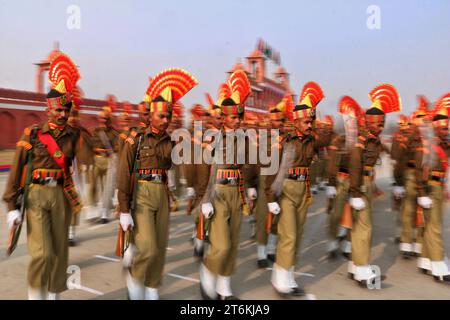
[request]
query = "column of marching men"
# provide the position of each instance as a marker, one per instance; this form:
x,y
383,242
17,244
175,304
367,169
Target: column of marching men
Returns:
x,y
61,169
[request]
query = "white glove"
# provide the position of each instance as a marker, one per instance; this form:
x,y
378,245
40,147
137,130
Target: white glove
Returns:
x,y
128,256
425,202
207,210
274,207
190,192
399,192
357,203
126,221
252,194
331,192
13,218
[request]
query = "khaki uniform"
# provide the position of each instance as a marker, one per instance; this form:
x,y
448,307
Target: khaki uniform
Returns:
x,y
364,157
85,161
433,254
261,210
151,216
338,177
102,155
295,196
48,211
227,202
408,173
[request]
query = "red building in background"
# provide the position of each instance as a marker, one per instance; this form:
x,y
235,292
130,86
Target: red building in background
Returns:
x,y
19,109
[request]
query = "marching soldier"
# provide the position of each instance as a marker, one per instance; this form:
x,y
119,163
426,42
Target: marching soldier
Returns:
x,y
125,126
363,157
409,184
338,175
198,172
266,237
399,141
147,158
225,203
44,155
289,192
105,146
433,258
84,162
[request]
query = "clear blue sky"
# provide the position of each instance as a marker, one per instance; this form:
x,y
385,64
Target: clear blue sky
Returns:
x,y
121,43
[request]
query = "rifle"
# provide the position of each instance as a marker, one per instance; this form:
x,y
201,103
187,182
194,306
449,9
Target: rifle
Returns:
x,y
14,233
123,240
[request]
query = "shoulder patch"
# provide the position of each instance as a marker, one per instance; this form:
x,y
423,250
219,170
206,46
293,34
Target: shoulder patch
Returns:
x,y
134,133
129,140
26,145
123,136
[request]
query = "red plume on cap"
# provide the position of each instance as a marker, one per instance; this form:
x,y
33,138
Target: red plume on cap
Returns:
x,y
127,107
224,92
197,110
442,105
423,103
348,106
209,99
63,73
111,101
289,102
238,83
177,81
311,95
386,98
328,119
177,110
77,97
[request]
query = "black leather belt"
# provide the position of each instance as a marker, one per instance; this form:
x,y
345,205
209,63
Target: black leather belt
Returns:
x,y
153,177
298,177
234,181
49,181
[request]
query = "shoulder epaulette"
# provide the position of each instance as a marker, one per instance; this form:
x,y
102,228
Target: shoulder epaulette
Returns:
x,y
134,133
129,140
123,136
26,145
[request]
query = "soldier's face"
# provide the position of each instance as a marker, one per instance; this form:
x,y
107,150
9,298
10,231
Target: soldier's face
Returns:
x,y
375,127
232,121
144,117
277,124
58,115
73,121
304,125
160,120
216,120
441,132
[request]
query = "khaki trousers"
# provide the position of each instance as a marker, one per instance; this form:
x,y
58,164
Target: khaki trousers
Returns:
x,y
408,210
433,245
361,234
48,219
98,178
150,233
294,203
224,231
343,185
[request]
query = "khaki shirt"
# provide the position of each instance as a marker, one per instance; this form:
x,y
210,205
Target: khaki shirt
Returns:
x,y
366,152
305,148
99,146
154,153
67,141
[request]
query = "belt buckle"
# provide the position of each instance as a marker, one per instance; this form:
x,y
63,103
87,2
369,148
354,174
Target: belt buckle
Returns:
x,y
301,177
232,180
51,182
157,177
